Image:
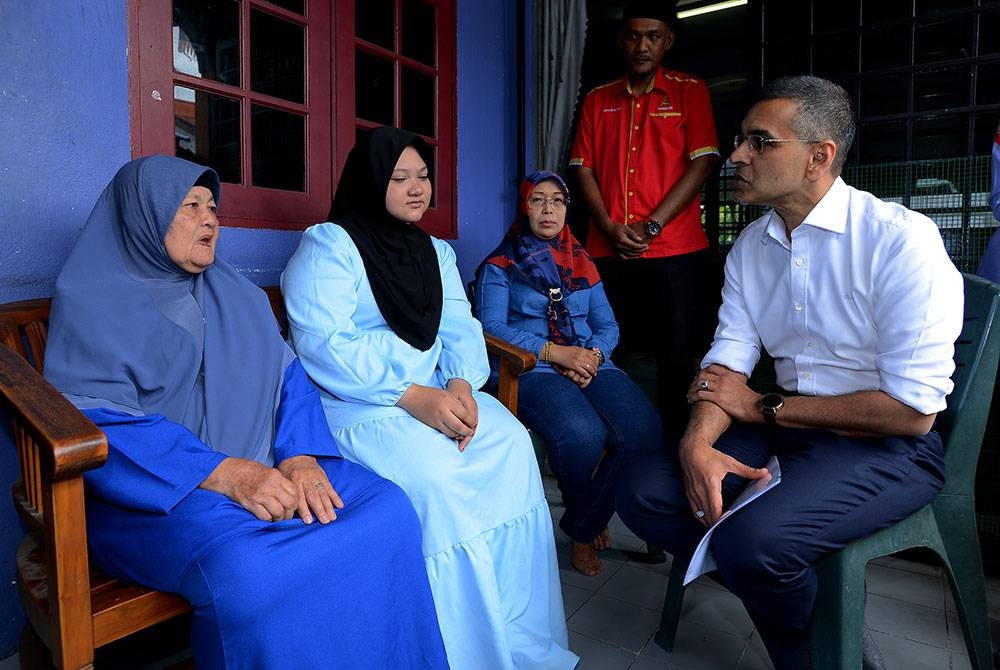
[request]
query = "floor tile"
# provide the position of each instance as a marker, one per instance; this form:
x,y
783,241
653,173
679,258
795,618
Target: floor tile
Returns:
x,y
616,622
903,654
573,598
914,587
906,620
636,586
699,647
598,655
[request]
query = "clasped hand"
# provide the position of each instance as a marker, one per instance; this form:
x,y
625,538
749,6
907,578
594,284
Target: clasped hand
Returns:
x,y
576,363
629,240
451,411
298,484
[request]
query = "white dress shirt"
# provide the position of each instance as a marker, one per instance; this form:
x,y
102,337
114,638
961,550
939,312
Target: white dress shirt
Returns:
x,y
864,297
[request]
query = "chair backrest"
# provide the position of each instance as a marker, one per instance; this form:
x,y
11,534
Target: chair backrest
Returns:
x,y
977,353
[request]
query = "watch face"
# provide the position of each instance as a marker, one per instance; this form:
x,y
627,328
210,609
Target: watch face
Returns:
x,y
770,403
653,228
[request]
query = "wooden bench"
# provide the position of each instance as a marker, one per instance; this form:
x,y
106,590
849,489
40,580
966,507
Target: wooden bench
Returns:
x,y
72,607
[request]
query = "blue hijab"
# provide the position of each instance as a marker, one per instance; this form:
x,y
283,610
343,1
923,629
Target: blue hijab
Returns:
x,y
132,331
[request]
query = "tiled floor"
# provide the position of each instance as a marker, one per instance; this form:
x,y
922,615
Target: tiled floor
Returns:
x,y
612,617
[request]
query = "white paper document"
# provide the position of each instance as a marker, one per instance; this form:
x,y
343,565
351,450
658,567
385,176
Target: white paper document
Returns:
x,y
703,561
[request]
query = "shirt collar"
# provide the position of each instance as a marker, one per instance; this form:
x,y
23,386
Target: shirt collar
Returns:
x,y
656,82
828,214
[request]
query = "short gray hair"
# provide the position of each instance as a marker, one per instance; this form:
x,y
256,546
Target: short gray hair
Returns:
x,y
825,111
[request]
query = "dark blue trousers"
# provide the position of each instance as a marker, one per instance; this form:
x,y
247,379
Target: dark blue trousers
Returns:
x,y
591,433
833,490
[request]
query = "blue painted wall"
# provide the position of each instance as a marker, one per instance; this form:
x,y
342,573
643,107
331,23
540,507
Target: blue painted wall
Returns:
x,y
64,120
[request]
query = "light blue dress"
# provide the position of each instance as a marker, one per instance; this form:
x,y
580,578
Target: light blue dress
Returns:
x,y
487,533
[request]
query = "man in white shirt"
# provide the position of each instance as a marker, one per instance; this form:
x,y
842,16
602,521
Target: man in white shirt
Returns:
x,y
859,304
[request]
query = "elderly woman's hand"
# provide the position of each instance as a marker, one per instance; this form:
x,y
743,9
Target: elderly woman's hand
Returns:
x,y
316,493
440,410
263,491
577,363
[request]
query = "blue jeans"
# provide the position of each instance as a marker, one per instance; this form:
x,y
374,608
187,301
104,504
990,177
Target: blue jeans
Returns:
x,y
590,432
833,490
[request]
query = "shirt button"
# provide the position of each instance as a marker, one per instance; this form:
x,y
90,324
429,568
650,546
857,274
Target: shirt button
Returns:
x,y
799,262
635,127
805,375
630,193
798,307
634,148
810,345
631,216
631,170
637,105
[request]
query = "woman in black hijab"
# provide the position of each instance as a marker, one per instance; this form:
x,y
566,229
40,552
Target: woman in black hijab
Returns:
x,y
379,317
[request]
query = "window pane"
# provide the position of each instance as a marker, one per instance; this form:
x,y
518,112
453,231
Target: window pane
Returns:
x,y
277,64
786,58
941,89
836,54
882,143
930,6
206,39
418,102
989,28
883,95
207,131
374,21
885,47
987,90
373,85
419,31
873,11
943,40
941,137
297,6
279,157
833,15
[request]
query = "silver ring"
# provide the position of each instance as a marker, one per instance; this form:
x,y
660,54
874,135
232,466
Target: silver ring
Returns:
x,y
700,514
703,385
319,485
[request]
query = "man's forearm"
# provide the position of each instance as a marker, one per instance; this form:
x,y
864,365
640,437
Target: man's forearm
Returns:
x,y
707,423
685,189
859,413
590,192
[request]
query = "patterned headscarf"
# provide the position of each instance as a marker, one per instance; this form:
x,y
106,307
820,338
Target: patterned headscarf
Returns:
x,y
555,268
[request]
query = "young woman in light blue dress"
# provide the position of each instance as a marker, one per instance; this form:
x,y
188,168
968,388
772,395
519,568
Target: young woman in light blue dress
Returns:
x,y
379,318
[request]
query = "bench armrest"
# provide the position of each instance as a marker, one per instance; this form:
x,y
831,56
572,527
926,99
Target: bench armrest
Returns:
x,y
514,361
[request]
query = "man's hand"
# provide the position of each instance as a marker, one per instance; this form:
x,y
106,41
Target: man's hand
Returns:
x,y
316,494
263,491
704,469
628,240
729,391
440,410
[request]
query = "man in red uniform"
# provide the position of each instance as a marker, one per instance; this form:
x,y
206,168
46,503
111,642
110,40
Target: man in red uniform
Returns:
x,y
645,145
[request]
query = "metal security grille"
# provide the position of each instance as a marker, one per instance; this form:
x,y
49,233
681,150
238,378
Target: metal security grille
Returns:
x,y
952,192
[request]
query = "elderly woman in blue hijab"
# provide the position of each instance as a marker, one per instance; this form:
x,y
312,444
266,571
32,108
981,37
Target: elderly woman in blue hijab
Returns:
x,y
540,290
378,314
223,483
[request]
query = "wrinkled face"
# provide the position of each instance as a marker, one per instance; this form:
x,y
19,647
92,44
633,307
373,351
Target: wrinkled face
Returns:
x,y
777,174
409,191
644,42
546,206
190,241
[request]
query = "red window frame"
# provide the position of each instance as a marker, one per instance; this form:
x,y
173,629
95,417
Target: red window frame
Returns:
x,y
329,108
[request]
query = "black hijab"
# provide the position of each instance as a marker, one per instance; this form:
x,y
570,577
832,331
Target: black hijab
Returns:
x,y
399,257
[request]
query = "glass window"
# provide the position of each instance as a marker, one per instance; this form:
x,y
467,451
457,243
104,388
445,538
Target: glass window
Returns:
x,y
885,47
989,30
987,90
829,16
884,95
939,137
941,89
418,102
373,22
943,40
207,131
876,11
418,31
297,6
279,159
835,54
277,52
882,143
206,44
375,100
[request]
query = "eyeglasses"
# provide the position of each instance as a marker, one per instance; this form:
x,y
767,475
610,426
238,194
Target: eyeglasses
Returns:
x,y
756,143
538,201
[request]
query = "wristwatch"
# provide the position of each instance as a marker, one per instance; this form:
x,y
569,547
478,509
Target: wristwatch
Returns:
x,y
653,227
770,404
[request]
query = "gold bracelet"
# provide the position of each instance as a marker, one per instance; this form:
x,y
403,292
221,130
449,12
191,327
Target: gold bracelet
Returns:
x,y
547,352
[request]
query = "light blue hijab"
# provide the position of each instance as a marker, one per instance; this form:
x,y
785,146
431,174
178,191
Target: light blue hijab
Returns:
x,y
132,331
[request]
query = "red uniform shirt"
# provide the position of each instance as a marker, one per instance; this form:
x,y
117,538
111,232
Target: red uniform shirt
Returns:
x,y
639,148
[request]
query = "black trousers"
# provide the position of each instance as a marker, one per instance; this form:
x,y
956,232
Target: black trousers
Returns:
x,y
666,308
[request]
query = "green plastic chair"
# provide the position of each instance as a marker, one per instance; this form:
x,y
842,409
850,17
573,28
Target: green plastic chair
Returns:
x,y
947,525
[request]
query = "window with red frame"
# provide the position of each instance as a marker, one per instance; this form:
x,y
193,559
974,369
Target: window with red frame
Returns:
x,y
273,94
